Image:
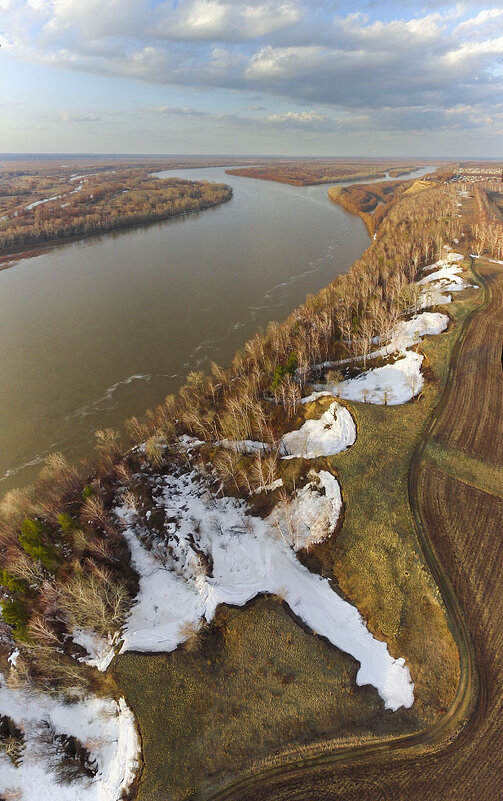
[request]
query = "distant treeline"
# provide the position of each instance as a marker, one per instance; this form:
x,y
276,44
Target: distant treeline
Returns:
x,y
302,173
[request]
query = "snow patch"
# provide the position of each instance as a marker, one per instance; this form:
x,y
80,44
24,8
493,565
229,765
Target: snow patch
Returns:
x,y
312,515
392,384
214,552
333,432
314,396
446,277
105,727
100,651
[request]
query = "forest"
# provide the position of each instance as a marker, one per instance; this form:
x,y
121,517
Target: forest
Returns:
x,y
39,207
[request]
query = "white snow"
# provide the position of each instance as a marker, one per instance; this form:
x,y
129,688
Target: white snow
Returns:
x,y
313,513
100,650
314,396
432,296
39,202
247,556
270,487
105,727
392,384
446,276
407,333
404,334
333,432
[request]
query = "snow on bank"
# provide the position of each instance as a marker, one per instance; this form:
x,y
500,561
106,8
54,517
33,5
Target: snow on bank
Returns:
x,y
446,277
100,651
404,334
493,261
431,295
215,553
40,202
407,333
333,432
105,727
392,384
312,515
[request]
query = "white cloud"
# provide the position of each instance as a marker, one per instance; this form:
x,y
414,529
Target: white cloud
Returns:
x,y
488,15
348,71
215,20
473,50
71,117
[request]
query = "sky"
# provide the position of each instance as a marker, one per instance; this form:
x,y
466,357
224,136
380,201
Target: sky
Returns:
x,y
283,77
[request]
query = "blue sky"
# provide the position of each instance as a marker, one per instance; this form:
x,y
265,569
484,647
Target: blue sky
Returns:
x,y
252,76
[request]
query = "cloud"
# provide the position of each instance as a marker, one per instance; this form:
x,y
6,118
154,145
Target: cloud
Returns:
x,y
330,71
72,117
215,20
289,120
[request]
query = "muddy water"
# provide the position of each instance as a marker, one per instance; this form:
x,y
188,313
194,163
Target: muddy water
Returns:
x,y
98,330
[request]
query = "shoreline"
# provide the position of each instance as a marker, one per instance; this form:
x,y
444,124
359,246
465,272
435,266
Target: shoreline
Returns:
x,y
12,257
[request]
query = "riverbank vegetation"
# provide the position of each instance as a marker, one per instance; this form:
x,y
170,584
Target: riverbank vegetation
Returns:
x,y
68,581
370,201
40,207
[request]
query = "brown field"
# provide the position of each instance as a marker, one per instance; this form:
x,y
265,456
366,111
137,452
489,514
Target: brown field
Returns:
x,y
461,527
477,382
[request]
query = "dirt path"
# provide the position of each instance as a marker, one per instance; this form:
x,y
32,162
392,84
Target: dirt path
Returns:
x,y
461,528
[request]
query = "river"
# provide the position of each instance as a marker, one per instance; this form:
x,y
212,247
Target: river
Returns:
x,y
96,331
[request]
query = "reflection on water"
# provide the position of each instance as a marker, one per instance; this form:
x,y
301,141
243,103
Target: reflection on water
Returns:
x,y
98,330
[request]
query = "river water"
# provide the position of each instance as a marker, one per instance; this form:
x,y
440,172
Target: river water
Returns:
x,y
96,331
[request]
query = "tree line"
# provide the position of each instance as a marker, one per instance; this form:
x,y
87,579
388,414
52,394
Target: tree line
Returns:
x,y
104,202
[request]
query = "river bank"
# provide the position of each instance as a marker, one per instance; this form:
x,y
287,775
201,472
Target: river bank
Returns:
x,y
100,329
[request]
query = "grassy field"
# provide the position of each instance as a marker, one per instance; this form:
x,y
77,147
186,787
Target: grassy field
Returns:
x,y
258,688
463,524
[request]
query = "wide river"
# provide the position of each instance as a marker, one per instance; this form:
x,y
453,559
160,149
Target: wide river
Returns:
x,y
99,330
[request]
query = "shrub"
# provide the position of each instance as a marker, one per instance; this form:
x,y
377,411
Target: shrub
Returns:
x,y
11,740
67,523
283,370
15,613
12,583
95,602
34,541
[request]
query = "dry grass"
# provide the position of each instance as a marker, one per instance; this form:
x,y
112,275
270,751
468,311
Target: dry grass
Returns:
x,y
376,557
259,686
